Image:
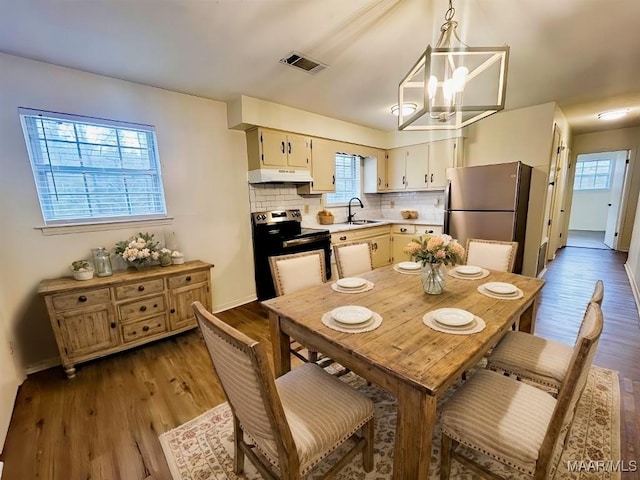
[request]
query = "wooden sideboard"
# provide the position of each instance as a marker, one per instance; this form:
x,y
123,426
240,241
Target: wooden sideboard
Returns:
x,y
105,315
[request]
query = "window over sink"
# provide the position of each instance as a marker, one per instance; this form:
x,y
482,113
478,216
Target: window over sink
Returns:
x,y
348,183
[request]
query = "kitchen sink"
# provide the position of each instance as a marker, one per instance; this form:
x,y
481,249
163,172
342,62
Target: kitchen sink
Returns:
x,y
364,222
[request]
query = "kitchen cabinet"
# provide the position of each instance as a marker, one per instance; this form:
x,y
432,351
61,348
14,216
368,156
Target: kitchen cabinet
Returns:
x,y
105,315
323,167
375,172
380,250
276,149
402,234
422,166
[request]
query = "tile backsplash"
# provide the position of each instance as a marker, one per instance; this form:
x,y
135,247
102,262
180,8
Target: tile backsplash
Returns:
x,y
281,196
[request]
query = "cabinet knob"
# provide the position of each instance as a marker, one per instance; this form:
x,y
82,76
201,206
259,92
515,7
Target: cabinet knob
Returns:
x,y
141,288
82,298
188,279
113,324
343,238
155,305
173,310
145,328
432,178
289,144
428,231
143,308
282,146
403,230
425,178
379,181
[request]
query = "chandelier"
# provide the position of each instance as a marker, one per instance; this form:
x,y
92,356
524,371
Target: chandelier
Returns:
x,y
453,85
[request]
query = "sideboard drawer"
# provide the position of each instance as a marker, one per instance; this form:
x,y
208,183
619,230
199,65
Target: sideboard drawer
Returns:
x,y
144,328
142,308
138,289
81,299
178,281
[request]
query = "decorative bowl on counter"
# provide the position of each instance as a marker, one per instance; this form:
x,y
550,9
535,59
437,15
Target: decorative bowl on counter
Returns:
x,y
409,214
325,217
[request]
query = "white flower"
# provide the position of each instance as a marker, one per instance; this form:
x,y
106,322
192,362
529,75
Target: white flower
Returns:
x,y
176,253
155,255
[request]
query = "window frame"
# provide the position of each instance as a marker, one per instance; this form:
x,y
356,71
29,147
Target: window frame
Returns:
x,y
592,177
341,202
137,171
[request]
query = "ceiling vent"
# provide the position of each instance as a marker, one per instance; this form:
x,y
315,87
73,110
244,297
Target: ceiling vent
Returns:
x,y
303,62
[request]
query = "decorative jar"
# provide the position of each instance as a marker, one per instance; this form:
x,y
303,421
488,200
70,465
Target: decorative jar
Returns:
x,y
103,263
433,278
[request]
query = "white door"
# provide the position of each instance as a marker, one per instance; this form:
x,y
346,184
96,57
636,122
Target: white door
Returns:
x,y
615,199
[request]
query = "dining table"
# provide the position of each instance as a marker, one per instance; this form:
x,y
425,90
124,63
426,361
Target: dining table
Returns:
x,y
403,355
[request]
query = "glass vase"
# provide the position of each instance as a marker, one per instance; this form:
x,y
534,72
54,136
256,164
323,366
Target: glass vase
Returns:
x,y
433,278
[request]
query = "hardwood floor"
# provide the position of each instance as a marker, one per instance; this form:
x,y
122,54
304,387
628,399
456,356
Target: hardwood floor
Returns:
x,y
104,424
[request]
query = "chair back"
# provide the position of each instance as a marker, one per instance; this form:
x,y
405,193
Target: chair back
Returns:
x,y
491,254
353,258
596,297
571,389
297,271
245,375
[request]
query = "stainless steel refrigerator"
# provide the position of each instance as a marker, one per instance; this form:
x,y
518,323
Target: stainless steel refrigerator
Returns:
x,y
488,202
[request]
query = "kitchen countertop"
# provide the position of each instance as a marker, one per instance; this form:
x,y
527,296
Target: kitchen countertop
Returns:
x,y
341,227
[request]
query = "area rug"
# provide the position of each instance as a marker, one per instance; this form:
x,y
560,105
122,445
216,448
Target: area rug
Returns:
x,y
202,448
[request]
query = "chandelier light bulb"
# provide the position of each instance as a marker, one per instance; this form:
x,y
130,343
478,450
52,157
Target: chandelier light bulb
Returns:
x,y
460,78
432,86
448,90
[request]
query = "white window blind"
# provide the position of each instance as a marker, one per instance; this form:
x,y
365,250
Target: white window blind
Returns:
x,y
89,169
592,174
347,179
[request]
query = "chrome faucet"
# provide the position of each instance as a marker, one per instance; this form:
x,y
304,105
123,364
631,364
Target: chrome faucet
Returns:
x,y
351,215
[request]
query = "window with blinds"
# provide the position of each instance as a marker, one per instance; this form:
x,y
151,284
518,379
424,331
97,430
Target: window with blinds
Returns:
x,y
592,174
91,170
347,180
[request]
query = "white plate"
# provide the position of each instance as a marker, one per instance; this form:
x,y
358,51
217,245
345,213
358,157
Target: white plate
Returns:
x,y
453,317
409,265
468,270
352,326
500,288
351,282
351,314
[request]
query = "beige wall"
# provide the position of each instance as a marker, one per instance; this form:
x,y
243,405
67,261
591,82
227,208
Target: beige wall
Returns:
x,y
518,135
10,377
204,168
611,140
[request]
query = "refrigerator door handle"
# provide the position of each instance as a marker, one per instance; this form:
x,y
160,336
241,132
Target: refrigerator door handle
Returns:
x,y
447,201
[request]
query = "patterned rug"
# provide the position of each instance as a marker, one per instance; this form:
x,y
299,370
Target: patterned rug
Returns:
x,y
201,449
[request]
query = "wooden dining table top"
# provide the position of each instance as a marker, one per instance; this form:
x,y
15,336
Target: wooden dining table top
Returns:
x,y
403,347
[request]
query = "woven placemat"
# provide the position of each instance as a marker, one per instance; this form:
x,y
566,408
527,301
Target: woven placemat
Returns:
x,y
429,320
369,285
484,274
329,321
487,293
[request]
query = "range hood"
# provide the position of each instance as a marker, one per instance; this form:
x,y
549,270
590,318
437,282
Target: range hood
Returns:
x,y
279,175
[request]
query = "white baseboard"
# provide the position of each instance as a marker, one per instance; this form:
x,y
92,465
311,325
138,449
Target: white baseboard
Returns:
x,y
634,286
235,303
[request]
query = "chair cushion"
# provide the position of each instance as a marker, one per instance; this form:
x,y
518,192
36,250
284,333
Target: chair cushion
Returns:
x,y
500,417
533,358
299,273
322,412
355,259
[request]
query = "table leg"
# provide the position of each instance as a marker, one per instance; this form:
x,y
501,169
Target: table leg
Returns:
x,y
527,321
414,434
280,342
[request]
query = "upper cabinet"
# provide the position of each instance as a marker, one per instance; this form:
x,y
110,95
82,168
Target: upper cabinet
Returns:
x,y
422,166
323,167
275,149
375,171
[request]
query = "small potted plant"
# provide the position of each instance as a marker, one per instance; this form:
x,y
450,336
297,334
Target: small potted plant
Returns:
x,y
177,257
82,270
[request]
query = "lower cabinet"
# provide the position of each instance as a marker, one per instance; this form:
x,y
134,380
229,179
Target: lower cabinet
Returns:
x,y
381,250
98,317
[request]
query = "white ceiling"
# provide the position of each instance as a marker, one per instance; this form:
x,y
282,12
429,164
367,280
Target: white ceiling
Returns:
x,y
583,54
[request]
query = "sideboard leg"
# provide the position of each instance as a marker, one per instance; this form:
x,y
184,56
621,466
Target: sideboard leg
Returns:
x,y
70,370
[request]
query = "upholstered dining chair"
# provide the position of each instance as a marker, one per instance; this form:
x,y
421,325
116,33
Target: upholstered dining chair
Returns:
x,y
294,272
288,435
491,254
353,258
539,360
513,422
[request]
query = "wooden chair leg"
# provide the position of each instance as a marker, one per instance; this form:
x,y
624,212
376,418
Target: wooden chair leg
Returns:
x,y
313,356
445,457
367,452
238,453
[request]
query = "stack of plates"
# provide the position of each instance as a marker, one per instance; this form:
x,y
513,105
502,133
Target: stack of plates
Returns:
x,y
352,316
454,318
468,271
351,284
501,289
409,266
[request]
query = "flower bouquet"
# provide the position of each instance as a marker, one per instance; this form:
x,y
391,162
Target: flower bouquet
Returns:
x,y
434,251
141,251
